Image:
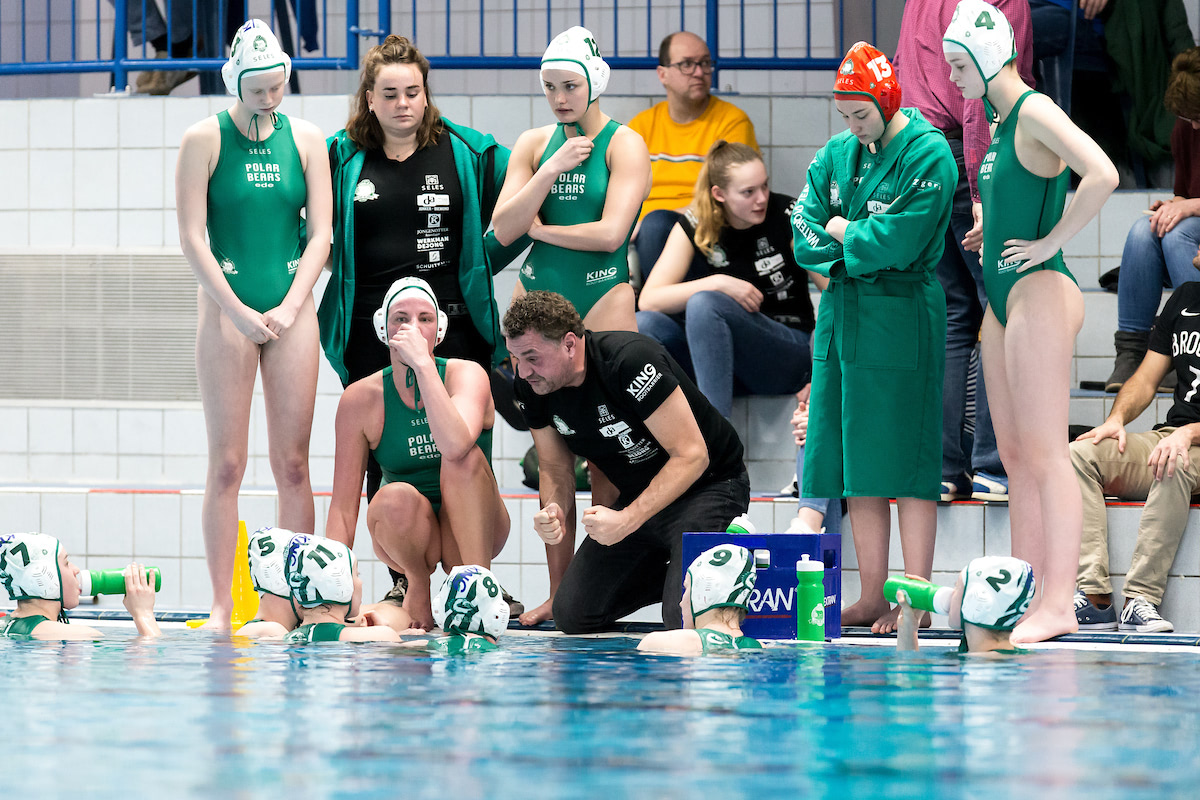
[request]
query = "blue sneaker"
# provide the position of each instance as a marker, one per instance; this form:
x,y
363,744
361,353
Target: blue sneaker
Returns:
x,y
989,487
1141,616
1093,618
955,490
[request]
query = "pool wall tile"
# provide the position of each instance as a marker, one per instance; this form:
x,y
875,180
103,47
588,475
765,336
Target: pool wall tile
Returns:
x,y
110,524
64,516
50,430
156,525
191,540
20,511
194,585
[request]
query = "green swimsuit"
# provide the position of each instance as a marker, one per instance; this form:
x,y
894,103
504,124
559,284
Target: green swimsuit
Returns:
x,y
315,632
254,199
406,451
458,644
578,196
1016,205
21,627
716,642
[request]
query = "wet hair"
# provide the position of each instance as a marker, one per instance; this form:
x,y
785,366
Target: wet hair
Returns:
x,y
722,157
363,128
731,615
547,313
1182,97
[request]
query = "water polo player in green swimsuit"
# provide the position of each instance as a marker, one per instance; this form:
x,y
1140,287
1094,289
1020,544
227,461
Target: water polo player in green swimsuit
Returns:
x,y
576,188
716,597
1035,308
243,177
429,422
36,572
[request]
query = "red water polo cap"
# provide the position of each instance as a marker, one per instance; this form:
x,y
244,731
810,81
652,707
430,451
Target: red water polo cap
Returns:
x,y
865,74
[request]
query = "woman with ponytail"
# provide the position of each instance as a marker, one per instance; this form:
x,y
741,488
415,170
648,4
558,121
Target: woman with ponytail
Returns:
x,y
726,296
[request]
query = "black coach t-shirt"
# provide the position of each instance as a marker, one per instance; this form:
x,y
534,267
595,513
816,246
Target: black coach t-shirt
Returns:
x,y
1176,334
603,419
762,256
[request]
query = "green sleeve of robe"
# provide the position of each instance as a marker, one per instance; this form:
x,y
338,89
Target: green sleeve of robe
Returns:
x,y
895,239
812,245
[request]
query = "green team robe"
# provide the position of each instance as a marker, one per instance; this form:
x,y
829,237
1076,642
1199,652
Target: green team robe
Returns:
x,y
875,414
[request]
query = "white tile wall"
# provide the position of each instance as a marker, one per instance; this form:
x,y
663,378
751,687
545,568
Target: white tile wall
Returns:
x,y
96,228
96,124
53,123
96,174
53,181
14,166
141,121
14,124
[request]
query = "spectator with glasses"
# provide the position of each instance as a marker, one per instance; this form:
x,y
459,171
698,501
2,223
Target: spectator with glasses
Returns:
x,y
679,133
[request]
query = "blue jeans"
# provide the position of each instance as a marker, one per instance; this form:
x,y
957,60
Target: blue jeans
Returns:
x,y
961,276
831,507
720,340
1147,263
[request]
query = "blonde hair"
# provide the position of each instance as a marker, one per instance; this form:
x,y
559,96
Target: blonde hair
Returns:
x,y
363,128
722,157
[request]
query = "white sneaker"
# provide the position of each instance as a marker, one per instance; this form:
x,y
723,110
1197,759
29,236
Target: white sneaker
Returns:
x,y
800,526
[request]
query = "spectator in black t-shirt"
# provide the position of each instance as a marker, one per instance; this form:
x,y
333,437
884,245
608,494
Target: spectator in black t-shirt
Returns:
x,y
619,400
1161,466
726,296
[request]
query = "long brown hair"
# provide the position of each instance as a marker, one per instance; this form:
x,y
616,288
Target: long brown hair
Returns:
x,y
722,157
362,128
1183,91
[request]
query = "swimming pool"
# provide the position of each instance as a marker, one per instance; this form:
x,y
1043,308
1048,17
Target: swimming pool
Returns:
x,y
550,717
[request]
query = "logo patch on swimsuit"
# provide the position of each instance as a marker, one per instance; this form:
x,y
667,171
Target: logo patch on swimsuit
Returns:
x,y
563,428
293,265
717,257
600,276
433,201
602,413
435,220
1008,265
527,270
644,382
433,183
228,268
365,191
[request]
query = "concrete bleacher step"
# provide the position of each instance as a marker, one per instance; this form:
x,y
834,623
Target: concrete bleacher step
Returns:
x,y
104,528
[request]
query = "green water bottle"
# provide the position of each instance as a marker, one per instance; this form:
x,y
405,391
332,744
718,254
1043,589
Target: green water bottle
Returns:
x,y
922,595
110,581
810,600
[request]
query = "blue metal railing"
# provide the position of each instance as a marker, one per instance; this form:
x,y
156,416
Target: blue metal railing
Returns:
x,y
750,46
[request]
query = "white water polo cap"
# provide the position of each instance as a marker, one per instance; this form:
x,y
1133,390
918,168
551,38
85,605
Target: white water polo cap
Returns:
x,y
997,591
471,601
575,50
267,554
320,571
409,287
722,577
255,49
983,32
29,566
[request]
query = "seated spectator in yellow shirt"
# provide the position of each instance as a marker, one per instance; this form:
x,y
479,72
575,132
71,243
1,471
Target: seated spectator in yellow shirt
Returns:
x,y
679,132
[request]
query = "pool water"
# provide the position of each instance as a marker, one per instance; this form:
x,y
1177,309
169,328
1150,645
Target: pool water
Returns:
x,y
195,715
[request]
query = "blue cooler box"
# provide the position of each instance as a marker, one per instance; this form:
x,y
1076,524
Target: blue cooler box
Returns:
x,y
773,605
